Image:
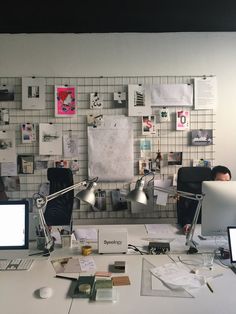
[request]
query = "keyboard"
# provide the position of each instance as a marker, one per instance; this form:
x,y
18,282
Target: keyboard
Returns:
x,y
16,264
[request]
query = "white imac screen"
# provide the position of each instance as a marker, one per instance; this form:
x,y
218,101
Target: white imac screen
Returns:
x,y
218,207
12,225
232,233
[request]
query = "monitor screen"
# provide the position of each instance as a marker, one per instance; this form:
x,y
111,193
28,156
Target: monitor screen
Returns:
x,y
232,243
14,224
218,207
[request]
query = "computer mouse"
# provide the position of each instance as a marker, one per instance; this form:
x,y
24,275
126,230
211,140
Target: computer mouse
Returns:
x,y
45,292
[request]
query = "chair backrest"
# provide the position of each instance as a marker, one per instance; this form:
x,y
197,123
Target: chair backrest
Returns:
x,y
59,210
3,195
189,179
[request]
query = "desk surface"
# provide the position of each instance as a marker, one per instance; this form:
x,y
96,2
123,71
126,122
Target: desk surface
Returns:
x,y
18,290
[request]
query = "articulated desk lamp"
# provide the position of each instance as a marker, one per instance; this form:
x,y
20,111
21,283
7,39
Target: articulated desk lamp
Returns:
x,y
87,195
138,195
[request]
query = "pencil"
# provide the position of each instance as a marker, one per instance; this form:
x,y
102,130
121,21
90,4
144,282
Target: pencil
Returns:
x,y
209,287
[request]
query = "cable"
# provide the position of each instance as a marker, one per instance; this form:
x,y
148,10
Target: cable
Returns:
x,y
136,249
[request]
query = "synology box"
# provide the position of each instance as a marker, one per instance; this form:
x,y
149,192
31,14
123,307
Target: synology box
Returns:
x,y
112,240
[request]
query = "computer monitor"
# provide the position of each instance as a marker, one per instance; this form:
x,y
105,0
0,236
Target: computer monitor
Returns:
x,y
14,224
218,207
232,243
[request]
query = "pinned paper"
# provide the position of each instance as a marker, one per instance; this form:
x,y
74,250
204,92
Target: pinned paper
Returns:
x,y
162,198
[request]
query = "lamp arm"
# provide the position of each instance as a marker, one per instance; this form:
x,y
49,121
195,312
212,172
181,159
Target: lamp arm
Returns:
x,y
61,192
49,242
189,236
173,192
41,203
192,196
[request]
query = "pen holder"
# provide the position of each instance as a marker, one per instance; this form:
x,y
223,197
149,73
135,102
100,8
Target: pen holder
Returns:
x,y
41,241
66,240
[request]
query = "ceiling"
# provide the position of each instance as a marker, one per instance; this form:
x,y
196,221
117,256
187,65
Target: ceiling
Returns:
x,y
110,16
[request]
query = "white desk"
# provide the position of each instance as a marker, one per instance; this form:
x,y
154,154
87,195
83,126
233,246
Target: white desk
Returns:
x,y
18,289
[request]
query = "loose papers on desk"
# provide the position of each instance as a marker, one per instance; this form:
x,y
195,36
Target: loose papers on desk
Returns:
x,y
86,234
178,276
73,265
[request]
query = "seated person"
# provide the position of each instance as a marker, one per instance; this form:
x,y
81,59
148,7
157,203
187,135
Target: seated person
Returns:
x,y
219,173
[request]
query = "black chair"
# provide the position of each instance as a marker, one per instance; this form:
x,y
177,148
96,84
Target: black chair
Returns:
x,y
189,179
3,195
59,210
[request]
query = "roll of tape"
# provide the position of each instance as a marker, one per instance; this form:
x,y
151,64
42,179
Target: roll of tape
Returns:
x,y
86,250
85,288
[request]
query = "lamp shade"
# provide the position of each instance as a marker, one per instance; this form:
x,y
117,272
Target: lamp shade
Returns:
x,y
87,195
138,195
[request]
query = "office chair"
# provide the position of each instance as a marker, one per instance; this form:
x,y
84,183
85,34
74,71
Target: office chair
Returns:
x,y
59,210
3,195
189,179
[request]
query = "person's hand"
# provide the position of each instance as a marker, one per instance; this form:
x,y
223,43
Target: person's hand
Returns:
x,y
186,228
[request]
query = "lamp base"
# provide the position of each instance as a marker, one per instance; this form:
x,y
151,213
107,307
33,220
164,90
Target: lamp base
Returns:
x,y
46,251
192,250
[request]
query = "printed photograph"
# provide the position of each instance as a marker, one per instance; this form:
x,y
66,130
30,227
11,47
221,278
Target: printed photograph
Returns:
x,y
174,158
96,101
6,93
65,101
201,137
33,93
148,125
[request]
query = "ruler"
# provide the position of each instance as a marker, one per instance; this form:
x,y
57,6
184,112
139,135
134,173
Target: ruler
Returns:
x,y
146,285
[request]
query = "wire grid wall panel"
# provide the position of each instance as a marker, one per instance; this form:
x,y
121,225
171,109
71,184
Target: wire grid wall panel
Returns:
x,y
166,140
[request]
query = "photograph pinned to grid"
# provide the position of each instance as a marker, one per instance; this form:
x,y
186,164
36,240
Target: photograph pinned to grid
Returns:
x,y
65,101
96,101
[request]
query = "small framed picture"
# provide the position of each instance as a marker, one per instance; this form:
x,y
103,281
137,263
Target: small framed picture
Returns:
x,y
65,101
137,104
28,132
4,116
33,93
6,92
25,164
119,99
201,137
175,158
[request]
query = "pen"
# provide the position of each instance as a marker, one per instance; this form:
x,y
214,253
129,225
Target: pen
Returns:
x,y
209,287
65,277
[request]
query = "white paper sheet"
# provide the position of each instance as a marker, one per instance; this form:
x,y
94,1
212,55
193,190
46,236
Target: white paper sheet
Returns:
x,y
86,234
50,139
7,146
162,198
8,169
87,264
162,229
170,95
205,93
70,145
177,275
110,150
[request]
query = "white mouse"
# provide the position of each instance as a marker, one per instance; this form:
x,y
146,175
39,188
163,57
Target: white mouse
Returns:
x,y
45,292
